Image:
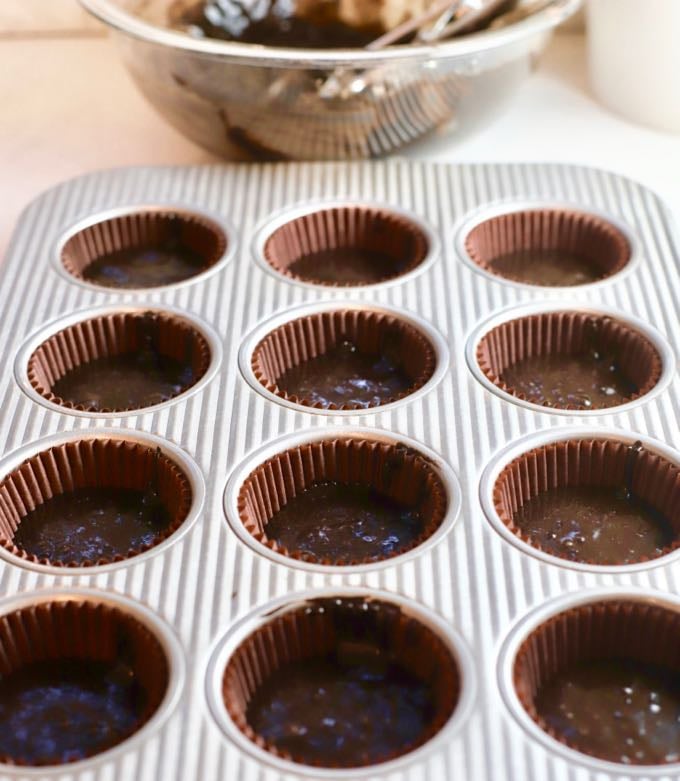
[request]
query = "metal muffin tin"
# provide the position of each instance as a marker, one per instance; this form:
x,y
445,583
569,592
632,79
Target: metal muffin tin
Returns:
x,y
207,583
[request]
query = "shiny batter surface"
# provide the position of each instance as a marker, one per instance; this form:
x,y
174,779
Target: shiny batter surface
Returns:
x,y
622,711
53,712
141,268
345,522
594,524
345,376
584,381
550,268
348,266
90,524
338,713
127,381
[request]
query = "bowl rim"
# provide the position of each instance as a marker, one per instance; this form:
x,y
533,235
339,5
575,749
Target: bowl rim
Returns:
x,y
109,12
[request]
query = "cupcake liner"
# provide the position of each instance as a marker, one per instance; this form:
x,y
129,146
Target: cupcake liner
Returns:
x,y
626,630
586,235
303,339
589,462
143,230
326,625
568,333
115,334
394,471
90,463
87,631
347,227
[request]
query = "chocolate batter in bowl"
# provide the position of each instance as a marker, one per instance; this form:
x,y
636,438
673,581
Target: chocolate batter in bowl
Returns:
x,y
252,100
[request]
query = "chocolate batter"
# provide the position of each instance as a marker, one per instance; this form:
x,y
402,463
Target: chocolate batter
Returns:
x,y
348,266
164,264
551,268
588,380
90,524
345,522
126,381
275,23
594,524
618,710
345,376
52,712
343,712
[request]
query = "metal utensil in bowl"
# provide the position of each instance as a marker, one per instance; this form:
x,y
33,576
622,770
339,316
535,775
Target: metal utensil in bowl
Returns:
x,y
467,16
227,96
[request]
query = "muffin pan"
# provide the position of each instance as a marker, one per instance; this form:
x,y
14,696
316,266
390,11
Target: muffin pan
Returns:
x,y
215,583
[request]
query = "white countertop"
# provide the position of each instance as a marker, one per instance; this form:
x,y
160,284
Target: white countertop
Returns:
x,y
68,107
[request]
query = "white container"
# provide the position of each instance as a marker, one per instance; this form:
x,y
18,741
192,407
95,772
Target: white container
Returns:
x,y
635,59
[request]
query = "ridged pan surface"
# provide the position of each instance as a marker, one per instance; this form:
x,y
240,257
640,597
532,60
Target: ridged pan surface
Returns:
x,y
474,579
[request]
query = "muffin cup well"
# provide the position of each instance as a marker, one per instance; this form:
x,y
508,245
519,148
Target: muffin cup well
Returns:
x,y
621,629
600,243
113,334
143,229
397,472
91,463
373,332
85,630
554,333
400,242
593,462
322,626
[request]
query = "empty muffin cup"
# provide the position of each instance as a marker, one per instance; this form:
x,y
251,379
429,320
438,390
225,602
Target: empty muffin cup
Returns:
x,y
341,682
596,501
346,246
551,247
91,502
145,248
343,501
344,359
604,679
569,360
120,361
79,676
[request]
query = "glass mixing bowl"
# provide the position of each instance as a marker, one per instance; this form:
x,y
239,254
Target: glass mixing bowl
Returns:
x,y
249,101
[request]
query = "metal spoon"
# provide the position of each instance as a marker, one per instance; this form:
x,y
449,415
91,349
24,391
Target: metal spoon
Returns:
x,y
521,12
466,19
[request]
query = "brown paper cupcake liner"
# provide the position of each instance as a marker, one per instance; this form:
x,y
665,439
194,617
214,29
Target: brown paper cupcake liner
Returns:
x,y
91,463
350,228
87,631
597,241
325,625
142,230
569,333
624,630
394,471
115,334
303,339
590,462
